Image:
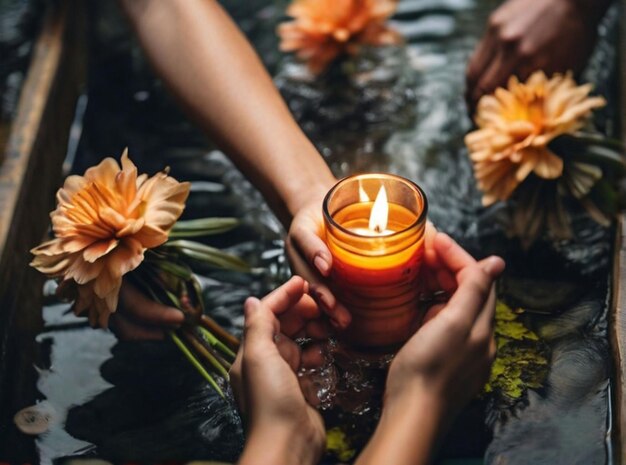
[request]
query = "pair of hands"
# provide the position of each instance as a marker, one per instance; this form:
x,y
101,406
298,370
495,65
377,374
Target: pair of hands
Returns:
x,y
523,36
431,378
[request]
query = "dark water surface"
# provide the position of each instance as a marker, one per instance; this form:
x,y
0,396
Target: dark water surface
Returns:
x,y
401,111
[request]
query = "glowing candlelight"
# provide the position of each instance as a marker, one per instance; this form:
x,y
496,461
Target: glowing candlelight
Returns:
x,y
377,250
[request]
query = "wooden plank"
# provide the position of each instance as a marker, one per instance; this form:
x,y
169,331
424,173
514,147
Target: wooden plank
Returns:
x,y
29,176
618,338
618,314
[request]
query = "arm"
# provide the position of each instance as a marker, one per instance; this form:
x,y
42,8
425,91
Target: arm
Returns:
x,y
443,365
216,76
523,36
282,428
213,71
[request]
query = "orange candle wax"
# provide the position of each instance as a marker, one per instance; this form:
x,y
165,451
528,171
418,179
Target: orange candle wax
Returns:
x,y
375,267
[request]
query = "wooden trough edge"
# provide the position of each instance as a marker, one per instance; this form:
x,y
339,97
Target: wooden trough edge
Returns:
x,y
29,175
618,307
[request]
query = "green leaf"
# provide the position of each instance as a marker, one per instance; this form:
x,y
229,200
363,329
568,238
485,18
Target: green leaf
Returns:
x,y
202,227
594,150
209,255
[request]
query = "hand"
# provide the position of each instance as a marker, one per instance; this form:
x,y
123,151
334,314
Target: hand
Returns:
x,y
444,364
282,427
310,258
140,318
523,36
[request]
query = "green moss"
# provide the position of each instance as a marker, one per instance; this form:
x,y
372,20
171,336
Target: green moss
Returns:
x,y
338,445
520,362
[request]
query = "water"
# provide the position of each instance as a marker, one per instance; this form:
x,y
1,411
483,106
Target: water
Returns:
x,y
401,111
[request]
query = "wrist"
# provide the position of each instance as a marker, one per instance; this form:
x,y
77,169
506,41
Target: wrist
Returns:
x,y
310,187
279,446
411,425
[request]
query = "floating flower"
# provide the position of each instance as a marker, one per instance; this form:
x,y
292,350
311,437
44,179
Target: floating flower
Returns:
x,y
103,224
324,29
517,124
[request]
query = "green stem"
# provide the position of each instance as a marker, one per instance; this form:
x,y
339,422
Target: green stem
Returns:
x,y
215,342
219,332
202,351
194,361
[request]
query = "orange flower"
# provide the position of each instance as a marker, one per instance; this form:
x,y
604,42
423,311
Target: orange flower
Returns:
x,y
515,126
324,29
103,223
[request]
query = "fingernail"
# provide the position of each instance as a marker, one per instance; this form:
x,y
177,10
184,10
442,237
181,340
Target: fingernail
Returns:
x,y
322,265
494,265
250,305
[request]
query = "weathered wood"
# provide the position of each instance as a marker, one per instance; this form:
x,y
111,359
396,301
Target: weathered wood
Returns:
x,y
618,338
29,175
618,314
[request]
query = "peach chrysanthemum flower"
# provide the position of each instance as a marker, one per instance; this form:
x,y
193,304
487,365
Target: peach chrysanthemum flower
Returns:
x,y
103,223
515,126
324,29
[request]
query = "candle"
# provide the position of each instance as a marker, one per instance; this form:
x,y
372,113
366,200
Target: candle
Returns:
x,y
377,249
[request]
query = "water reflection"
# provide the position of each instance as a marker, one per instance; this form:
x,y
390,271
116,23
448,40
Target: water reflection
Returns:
x,y
400,111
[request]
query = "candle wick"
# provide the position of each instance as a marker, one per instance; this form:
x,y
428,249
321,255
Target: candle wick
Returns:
x,y
378,229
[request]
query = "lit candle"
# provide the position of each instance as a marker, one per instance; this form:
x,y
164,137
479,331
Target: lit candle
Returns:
x,y
377,250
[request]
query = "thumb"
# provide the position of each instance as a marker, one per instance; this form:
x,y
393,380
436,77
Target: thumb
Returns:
x,y
260,327
493,266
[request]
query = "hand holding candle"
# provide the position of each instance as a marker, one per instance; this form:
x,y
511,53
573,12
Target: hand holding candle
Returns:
x,y
377,250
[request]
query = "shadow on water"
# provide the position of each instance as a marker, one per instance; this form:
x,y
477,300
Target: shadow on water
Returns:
x,y
401,110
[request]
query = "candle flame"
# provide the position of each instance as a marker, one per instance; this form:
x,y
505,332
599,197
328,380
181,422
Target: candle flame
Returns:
x,y
380,212
363,197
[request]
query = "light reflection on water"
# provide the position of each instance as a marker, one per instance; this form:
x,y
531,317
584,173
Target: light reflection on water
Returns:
x,y
407,116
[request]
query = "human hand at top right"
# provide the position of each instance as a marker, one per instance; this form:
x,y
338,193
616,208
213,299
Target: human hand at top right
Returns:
x,y
524,36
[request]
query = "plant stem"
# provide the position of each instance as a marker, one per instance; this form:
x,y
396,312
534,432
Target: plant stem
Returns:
x,y
201,350
230,340
215,342
194,361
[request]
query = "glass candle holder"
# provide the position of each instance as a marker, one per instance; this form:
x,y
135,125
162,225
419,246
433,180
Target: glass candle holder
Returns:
x,y
375,271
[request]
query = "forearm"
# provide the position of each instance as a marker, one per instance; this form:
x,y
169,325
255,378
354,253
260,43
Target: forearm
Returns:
x,y
279,447
213,71
407,434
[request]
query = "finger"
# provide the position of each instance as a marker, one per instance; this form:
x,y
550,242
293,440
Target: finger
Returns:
x,y
236,380
259,329
497,73
309,390
316,329
142,309
469,300
339,315
430,256
480,59
483,327
127,330
305,236
452,255
312,357
294,321
432,312
288,350
493,266
286,296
